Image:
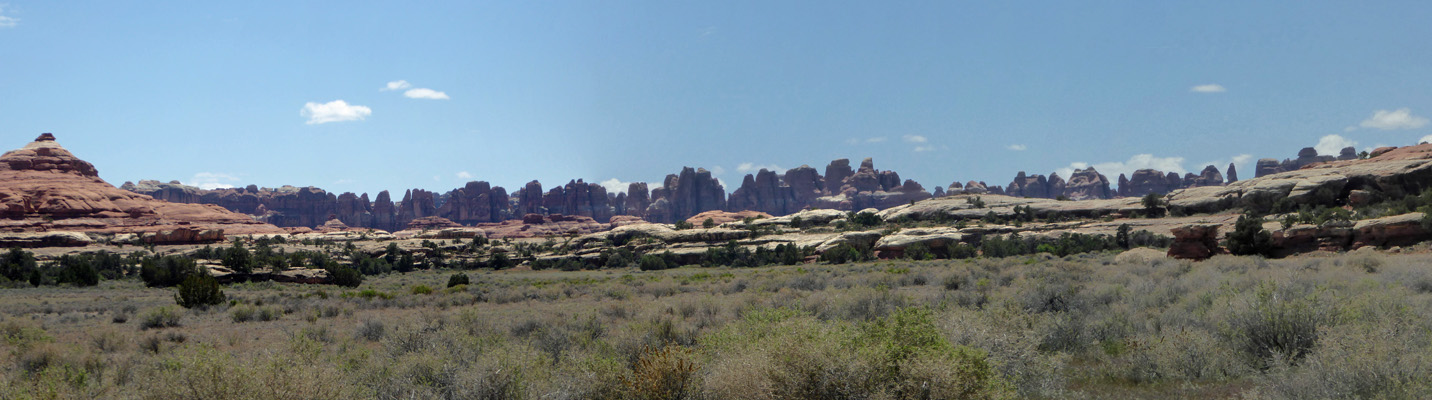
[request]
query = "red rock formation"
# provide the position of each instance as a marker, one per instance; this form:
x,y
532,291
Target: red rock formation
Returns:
x,y
1087,184
432,223
1232,173
638,198
681,196
579,198
533,225
1147,181
835,175
44,187
529,198
474,203
1195,242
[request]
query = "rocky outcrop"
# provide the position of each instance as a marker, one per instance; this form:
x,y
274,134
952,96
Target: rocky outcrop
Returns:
x,y
867,188
1208,177
1147,181
1195,242
534,225
1088,184
638,198
431,223
45,188
1307,156
1232,173
722,217
835,175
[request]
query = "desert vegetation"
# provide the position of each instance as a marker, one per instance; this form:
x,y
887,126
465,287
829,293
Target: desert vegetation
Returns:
x,y
1086,325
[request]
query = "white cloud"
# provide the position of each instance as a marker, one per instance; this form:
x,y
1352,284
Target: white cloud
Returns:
x,y
1135,163
1242,158
1401,118
1331,145
717,170
877,139
7,21
922,149
1017,147
425,93
1209,88
745,168
1425,139
614,185
915,139
212,180
334,111
396,85
344,181
463,175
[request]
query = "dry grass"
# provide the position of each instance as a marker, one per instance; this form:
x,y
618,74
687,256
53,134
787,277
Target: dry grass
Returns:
x,y
1318,326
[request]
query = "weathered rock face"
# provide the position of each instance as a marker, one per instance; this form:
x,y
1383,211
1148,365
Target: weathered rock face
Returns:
x,y
1083,184
45,188
764,193
681,196
1232,173
638,198
835,175
939,192
1195,242
1036,186
1347,153
533,225
579,198
475,203
530,198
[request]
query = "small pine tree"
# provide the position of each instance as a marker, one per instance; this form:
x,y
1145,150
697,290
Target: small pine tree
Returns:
x,y
708,223
1153,204
199,290
1121,237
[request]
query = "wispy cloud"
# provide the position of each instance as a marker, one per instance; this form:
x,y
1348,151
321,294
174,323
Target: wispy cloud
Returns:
x,y
922,149
1135,163
1331,145
751,167
916,139
212,180
396,85
425,93
1425,139
7,21
1017,147
334,111
463,175
1209,88
1401,118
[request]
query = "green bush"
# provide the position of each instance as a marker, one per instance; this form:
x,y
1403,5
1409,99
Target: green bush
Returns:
x,y
421,289
652,262
162,317
1249,237
458,279
346,277
199,290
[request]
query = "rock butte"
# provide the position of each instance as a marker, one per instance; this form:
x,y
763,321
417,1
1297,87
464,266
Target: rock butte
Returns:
x,y
45,188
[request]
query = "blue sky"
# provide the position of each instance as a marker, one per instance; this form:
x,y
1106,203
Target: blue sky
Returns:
x,y
279,93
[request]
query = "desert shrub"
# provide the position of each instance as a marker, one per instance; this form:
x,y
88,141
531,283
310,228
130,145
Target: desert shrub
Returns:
x,y
1384,361
918,251
22,335
660,373
421,289
370,330
199,290
1277,323
162,317
864,219
242,313
458,279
